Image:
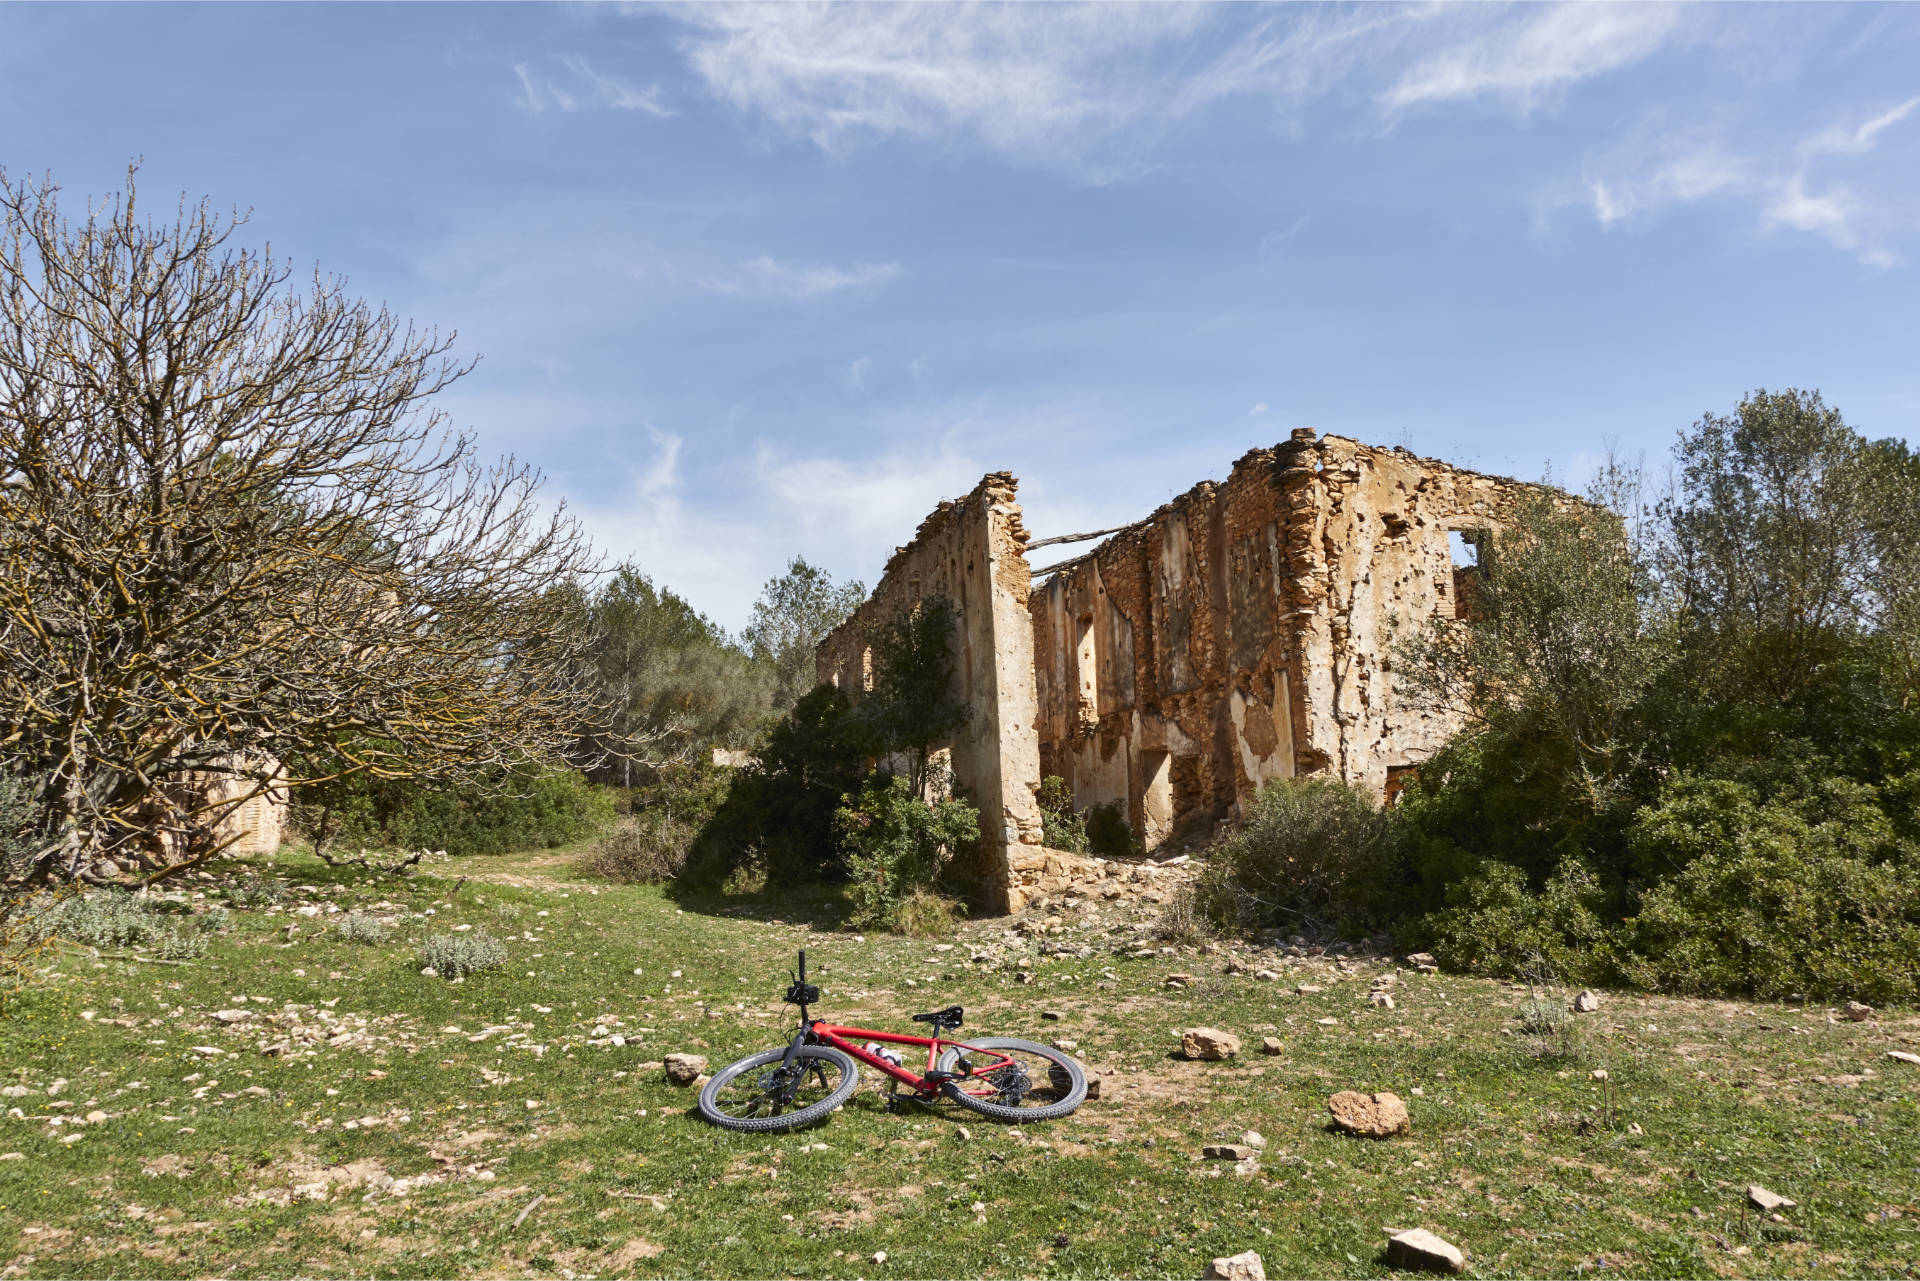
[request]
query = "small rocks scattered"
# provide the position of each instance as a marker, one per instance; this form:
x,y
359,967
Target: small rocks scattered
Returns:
x,y
1270,1045
1227,1152
1371,1116
685,1069
1209,1043
1421,1250
1245,1266
1380,1000
1179,980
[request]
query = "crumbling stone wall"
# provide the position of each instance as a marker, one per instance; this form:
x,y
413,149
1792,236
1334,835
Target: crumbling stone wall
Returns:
x,y
1243,631
1240,633
972,552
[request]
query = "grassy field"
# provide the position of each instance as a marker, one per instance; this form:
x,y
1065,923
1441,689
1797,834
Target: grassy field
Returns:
x,y
411,1126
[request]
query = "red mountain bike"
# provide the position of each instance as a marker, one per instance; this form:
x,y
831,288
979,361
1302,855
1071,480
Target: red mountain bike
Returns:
x,y
996,1076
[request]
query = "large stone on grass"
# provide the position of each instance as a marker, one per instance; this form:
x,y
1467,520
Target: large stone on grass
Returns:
x,y
1209,1043
685,1069
1245,1266
1420,1250
1586,1002
1767,1202
1227,1152
1859,1013
1371,1116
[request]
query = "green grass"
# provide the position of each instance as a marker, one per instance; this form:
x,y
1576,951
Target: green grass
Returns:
x,y
1517,1154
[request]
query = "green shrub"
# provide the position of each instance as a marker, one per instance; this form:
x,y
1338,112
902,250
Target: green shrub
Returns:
x,y
529,807
107,918
895,846
923,914
1060,826
1811,896
1109,834
776,820
363,927
454,956
644,849
1311,853
1496,924
178,944
256,891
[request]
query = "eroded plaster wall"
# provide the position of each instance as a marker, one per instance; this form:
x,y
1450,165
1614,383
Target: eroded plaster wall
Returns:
x,y
1243,631
971,551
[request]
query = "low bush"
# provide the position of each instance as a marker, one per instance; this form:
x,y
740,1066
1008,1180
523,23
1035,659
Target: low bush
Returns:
x,y
1181,920
256,891
1109,834
923,914
1061,827
107,918
1813,895
1313,854
1496,924
644,848
363,927
529,807
895,846
454,956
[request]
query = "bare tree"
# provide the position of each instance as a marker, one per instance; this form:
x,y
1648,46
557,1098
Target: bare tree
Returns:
x,y
239,552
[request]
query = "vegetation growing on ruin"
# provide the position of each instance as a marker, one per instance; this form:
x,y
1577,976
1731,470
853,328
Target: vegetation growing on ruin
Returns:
x,y
1695,747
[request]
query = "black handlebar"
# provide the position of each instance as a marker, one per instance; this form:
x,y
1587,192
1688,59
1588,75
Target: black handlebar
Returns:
x,y
802,993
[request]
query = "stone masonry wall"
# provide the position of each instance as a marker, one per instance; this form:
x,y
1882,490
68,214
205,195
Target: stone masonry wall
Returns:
x,y
971,551
1243,631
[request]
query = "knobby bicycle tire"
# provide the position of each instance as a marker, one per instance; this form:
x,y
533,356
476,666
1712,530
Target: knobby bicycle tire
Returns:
x,y
849,1081
1063,1065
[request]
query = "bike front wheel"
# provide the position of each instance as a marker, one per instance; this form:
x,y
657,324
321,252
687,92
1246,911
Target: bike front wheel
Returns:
x,y
1038,1084
765,1092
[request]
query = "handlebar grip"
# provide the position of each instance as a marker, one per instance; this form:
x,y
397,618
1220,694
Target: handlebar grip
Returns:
x,y
803,964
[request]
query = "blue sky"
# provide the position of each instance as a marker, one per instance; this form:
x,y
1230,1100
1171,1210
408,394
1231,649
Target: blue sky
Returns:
x,y
749,282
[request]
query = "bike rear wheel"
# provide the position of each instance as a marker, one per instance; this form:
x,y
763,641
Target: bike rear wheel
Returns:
x,y
764,1092
1040,1083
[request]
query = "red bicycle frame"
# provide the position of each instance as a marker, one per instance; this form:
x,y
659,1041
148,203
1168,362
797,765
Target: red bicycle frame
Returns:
x,y
924,1084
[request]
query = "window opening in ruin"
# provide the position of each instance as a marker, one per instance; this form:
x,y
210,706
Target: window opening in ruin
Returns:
x,y
1089,680
1399,777
1465,549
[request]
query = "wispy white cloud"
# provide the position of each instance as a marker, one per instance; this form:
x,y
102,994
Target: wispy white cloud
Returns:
x,y
1024,78
1655,171
1530,58
1644,178
766,276
1090,89
585,87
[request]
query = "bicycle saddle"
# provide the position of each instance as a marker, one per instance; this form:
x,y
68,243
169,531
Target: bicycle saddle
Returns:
x,y
947,1018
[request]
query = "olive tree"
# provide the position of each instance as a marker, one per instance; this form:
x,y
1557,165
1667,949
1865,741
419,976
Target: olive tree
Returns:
x,y
240,552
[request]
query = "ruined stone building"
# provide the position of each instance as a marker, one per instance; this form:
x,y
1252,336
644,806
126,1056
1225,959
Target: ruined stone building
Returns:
x,y
1240,633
